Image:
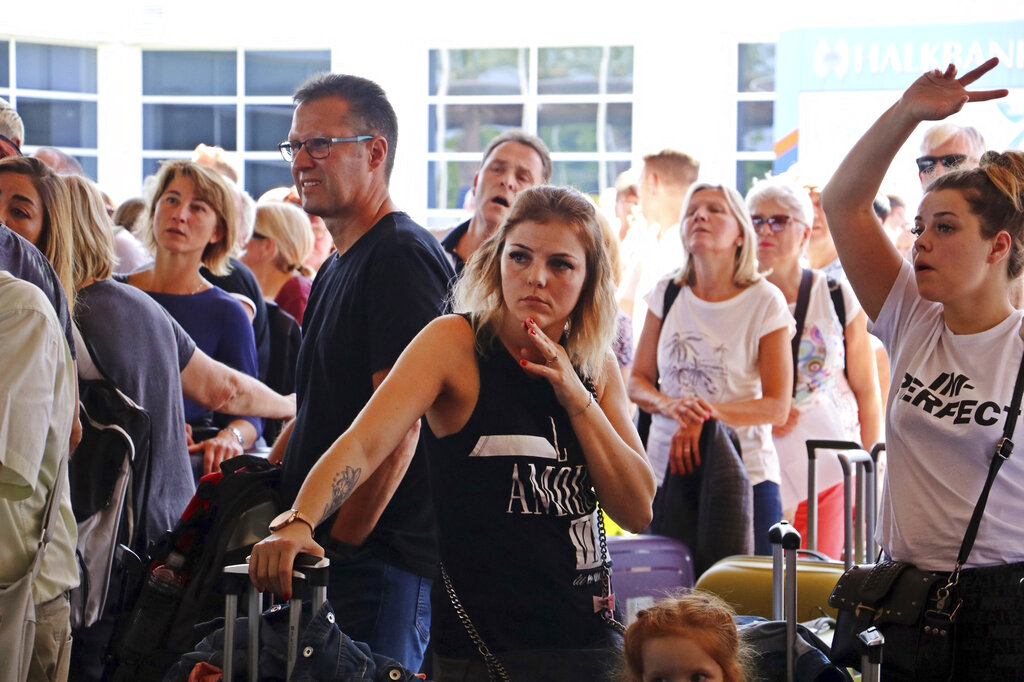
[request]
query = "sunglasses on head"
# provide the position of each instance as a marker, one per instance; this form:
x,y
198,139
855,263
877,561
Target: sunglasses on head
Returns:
x,y
926,164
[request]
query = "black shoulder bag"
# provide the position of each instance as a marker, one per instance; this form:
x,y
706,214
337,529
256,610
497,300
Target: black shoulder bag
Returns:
x,y
916,610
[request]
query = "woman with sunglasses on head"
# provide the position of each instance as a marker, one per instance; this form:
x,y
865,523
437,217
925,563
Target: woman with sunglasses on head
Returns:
x,y
280,243
526,428
721,351
955,343
835,393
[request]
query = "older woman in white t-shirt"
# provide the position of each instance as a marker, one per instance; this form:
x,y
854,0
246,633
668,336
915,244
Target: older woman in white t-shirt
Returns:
x,y
836,384
721,351
955,343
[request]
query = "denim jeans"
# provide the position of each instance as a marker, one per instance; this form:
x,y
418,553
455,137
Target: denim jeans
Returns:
x,y
381,605
767,512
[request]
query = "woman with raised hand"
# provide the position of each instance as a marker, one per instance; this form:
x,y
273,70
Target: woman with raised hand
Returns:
x,y
527,430
835,394
955,344
190,221
721,351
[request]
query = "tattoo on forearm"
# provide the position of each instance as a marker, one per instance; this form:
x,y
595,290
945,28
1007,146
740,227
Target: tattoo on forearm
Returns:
x,y
344,483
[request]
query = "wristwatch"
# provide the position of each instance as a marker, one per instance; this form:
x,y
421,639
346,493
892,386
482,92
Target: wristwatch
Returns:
x,y
237,434
288,517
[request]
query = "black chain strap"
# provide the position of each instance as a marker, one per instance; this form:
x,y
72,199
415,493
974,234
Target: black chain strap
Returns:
x,y
495,670
608,612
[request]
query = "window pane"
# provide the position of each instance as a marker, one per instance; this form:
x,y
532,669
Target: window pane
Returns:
x,y
58,123
266,125
746,171
470,127
620,70
613,169
281,73
565,70
56,67
449,182
5,64
568,127
183,126
478,72
89,165
263,175
619,128
756,67
583,175
189,73
754,126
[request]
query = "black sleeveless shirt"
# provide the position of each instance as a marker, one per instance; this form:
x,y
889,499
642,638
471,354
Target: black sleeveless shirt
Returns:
x,y
517,521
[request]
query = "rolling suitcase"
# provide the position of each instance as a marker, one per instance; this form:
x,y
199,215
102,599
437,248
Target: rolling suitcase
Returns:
x,y
647,568
860,495
311,570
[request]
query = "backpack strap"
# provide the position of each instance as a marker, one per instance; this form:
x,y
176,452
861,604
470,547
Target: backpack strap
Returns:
x,y
800,314
643,419
835,292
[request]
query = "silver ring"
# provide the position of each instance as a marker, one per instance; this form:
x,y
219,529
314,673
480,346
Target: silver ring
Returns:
x,y
553,359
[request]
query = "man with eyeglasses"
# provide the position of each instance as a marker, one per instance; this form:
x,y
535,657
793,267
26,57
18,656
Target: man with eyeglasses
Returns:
x,y
387,280
946,147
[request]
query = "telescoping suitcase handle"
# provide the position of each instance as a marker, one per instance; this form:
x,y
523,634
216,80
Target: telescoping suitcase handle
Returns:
x,y
313,570
858,538
785,540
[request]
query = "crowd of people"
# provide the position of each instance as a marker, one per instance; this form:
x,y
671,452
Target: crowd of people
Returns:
x,y
456,425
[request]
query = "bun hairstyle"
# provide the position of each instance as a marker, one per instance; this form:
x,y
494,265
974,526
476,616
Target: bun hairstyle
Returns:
x,y
995,192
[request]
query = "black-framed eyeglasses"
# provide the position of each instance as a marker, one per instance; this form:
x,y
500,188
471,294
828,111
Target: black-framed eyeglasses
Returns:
x,y
316,147
926,164
777,223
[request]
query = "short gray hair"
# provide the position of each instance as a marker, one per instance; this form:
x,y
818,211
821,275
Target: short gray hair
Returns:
x,y
11,125
793,197
531,141
938,135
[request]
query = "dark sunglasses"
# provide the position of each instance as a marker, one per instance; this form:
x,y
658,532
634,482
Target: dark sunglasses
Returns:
x,y
926,164
777,223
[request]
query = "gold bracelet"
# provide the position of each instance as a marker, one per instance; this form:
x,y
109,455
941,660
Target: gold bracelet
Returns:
x,y
590,400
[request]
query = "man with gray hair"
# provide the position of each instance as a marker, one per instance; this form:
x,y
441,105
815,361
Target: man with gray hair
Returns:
x,y
946,147
513,161
11,125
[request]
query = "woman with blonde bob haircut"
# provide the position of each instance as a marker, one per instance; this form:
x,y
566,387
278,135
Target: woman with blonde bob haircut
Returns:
x,y
526,429
723,353
190,221
281,241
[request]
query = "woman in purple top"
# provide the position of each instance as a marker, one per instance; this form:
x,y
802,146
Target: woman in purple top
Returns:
x,y
190,221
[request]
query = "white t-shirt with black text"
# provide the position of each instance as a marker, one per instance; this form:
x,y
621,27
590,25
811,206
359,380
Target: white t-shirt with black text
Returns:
x,y
945,414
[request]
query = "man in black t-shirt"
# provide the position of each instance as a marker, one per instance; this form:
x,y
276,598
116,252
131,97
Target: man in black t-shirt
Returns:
x,y
387,280
513,161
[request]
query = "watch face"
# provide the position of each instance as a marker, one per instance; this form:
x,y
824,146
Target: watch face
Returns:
x,y
282,519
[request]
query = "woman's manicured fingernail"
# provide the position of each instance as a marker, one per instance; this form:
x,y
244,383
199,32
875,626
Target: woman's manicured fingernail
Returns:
x,y
533,331
523,363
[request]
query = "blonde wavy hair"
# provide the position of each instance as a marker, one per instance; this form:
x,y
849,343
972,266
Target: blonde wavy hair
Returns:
x,y
211,188
91,231
592,322
744,271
